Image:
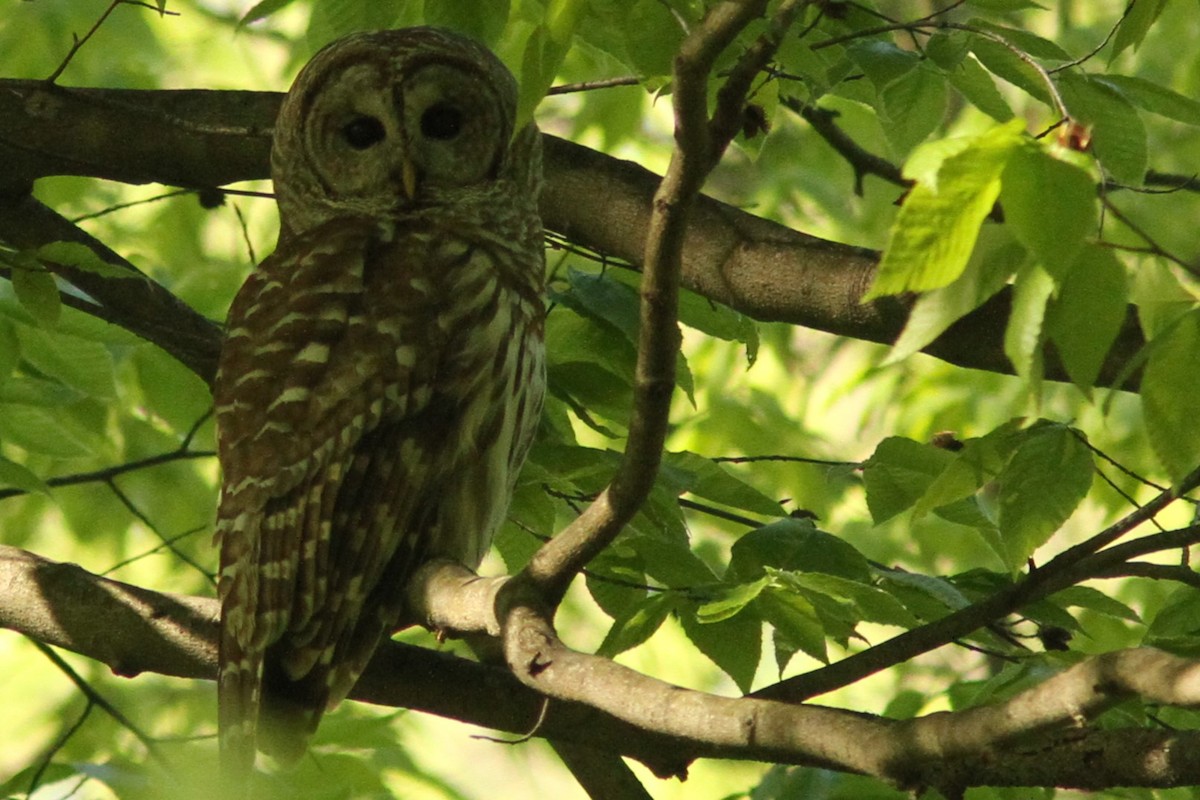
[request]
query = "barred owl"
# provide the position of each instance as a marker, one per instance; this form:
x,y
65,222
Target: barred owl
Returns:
x,y
382,372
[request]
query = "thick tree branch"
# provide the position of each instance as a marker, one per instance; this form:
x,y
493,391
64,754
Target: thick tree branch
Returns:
x,y
614,709
210,138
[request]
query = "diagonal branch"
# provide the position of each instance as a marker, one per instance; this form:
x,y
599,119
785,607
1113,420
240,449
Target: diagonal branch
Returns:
x,y
700,142
614,709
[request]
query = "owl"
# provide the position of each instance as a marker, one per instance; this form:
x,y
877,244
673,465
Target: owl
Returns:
x,y
382,372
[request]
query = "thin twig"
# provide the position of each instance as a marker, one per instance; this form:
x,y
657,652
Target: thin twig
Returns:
x,y
587,86
108,473
168,542
1092,53
101,702
1140,232
80,42
59,743
131,204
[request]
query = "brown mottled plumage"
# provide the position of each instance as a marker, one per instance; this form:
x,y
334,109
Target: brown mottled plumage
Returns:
x,y
382,373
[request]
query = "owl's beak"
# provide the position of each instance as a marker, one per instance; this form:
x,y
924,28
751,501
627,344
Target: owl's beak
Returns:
x,y
408,176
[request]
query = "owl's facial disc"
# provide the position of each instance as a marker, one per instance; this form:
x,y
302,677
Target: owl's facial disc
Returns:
x,y
379,135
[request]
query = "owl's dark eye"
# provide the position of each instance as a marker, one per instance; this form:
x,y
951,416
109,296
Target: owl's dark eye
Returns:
x,y
441,121
363,131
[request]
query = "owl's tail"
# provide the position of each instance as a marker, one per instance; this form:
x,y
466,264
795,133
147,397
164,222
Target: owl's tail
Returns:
x,y
237,715
289,711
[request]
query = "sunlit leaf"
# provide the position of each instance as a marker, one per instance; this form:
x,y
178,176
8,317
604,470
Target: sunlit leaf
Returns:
x,y
729,600
262,10
16,476
80,256
38,293
935,311
937,226
40,430
1023,336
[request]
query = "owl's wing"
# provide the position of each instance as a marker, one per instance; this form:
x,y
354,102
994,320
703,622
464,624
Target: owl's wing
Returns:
x,y
323,400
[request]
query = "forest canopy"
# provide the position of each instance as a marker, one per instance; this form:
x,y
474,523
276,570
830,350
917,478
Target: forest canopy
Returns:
x,y
869,448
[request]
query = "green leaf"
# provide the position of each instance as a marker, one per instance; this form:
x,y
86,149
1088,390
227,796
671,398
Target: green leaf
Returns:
x,y
262,10
1136,24
796,624
733,644
617,304
37,392
1023,334
1003,6
1170,386
1050,204
978,462
937,226
721,321
39,430
705,478
794,544
899,473
547,46
79,363
1094,600
730,600
1178,617
1026,41
16,476
882,62
928,596
1154,98
872,604
37,292
935,311
1118,135
482,21
1042,485
651,35
670,562
82,257
975,84
913,105
638,626
1084,319
1006,64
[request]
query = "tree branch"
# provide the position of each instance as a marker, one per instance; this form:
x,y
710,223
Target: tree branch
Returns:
x,y
206,138
613,709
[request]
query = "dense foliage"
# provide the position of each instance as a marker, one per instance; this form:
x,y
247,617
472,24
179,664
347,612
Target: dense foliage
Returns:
x,y
819,495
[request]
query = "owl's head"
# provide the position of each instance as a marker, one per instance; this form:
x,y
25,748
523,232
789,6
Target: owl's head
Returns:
x,y
384,121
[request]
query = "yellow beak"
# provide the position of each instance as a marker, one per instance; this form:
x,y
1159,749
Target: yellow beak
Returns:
x,y
408,175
